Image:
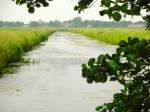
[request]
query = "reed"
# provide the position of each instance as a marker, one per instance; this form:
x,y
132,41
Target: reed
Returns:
x,y
14,42
112,35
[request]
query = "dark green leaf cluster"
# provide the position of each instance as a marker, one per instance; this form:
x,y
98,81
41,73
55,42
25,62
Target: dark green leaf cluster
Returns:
x,y
31,4
115,8
147,19
130,66
83,4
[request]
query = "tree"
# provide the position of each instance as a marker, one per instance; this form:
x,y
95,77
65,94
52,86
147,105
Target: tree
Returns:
x,y
31,4
11,24
77,21
130,65
115,9
34,24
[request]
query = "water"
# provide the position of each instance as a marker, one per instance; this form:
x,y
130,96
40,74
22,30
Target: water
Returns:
x,y
55,84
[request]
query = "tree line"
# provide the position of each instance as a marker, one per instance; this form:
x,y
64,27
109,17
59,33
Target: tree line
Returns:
x,y
76,22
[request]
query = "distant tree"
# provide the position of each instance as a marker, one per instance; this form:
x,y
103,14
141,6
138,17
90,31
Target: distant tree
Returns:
x,y
42,23
11,24
77,21
55,23
34,24
18,24
1,24
115,9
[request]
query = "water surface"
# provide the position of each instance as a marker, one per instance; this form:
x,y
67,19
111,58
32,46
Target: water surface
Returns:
x,y
55,84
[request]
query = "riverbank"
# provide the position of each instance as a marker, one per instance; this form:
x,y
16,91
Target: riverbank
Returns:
x,y
112,35
14,42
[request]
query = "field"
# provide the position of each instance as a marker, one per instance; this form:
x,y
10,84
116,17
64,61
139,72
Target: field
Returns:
x,y
112,35
14,42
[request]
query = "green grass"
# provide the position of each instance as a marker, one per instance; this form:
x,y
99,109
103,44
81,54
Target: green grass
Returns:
x,y
14,42
112,35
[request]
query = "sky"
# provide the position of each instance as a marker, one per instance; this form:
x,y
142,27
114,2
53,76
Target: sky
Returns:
x,y
58,10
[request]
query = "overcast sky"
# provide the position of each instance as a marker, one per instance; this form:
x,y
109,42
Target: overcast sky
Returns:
x,y
58,10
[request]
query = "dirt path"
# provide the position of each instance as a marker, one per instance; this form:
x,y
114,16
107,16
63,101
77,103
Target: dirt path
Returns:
x,y
55,84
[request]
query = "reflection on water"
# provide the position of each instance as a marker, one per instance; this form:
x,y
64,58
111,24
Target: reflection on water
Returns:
x,y
55,83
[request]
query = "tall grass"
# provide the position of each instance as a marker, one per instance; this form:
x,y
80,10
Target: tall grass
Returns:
x,y
112,35
14,42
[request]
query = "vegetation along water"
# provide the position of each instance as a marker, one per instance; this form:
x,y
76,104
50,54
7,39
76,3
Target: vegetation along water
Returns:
x,y
14,42
112,35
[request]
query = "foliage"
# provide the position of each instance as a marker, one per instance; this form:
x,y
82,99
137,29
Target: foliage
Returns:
x,y
113,8
112,35
147,19
31,4
78,22
11,24
116,8
130,66
75,22
14,42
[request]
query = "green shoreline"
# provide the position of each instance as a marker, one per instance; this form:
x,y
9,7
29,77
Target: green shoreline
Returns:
x,y
112,35
15,42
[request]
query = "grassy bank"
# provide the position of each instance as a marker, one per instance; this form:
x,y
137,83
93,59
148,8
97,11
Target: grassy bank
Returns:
x,y
14,42
112,35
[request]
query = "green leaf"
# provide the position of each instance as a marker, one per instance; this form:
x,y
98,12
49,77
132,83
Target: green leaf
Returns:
x,y
22,2
45,4
124,7
141,44
17,2
116,8
99,108
131,57
91,62
135,40
122,43
112,66
109,106
113,78
38,5
76,8
90,80
31,10
101,78
120,50
148,41
129,39
116,16
106,3
101,59
84,66
103,12
135,10
28,5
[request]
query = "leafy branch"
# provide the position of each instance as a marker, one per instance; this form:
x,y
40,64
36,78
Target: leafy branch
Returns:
x,y
130,66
